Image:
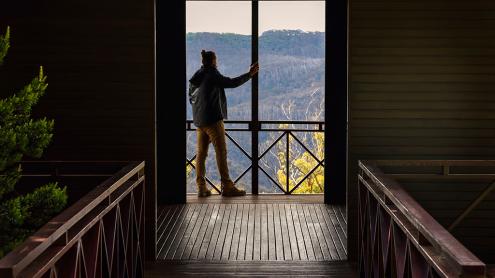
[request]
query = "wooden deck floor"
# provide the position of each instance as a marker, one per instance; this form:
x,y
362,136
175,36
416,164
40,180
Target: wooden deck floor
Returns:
x,y
259,231
335,269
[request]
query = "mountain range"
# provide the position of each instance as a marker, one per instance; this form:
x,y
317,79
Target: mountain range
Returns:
x,y
291,81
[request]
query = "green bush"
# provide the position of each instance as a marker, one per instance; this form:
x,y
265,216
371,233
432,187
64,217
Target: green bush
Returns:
x,y
42,204
20,135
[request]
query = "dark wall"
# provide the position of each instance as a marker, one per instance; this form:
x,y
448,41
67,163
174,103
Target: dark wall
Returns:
x,y
446,200
421,84
335,101
99,58
171,111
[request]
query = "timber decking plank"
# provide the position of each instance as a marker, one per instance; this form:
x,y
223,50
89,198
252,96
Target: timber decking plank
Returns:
x,y
336,225
288,238
168,227
234,246
264,244
217,253
177,236
297,210
319,232
201,233
257,233
293,218
187,234
166,240
272,242
251,232
341,219
334,235
326,234
194,233
209,232
258,199
210,252
340,269
277,236
241,250
229,233
312,233
292,240
167,218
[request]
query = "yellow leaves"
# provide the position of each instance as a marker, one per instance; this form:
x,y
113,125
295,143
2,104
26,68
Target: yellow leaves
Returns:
x,y
302,165
189,168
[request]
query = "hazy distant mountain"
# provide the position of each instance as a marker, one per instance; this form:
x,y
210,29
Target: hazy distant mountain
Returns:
x,y
291,71
291,61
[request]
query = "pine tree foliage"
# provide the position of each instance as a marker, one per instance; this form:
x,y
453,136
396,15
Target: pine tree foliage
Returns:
x,y
20,135
4,45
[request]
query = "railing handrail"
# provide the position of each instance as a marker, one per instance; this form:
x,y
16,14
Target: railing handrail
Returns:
x,y
439,163
269,122
420,219
258,125
53,231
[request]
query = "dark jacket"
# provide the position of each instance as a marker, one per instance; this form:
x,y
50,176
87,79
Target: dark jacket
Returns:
x,y
207,94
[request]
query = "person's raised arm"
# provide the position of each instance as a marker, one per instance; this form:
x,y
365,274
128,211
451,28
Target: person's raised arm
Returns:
x,y
227,82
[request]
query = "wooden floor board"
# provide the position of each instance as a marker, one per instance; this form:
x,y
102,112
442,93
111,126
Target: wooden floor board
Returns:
x,y
209,233
229,233
289,240
172,244
194,233
234,245
319,233
337,269
257,233
177,254
241,250
326,233
277,233
258,199
293,220
298,210
210,251
251,232
167,229
341,250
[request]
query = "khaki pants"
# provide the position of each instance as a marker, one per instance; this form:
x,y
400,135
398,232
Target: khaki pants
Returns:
x,y
215,134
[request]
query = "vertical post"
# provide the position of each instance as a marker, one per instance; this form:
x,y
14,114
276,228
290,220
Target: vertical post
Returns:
x,y
287,165
336,109
254,98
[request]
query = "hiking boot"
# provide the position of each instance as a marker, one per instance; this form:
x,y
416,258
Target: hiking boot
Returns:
x,y
204,192
231,191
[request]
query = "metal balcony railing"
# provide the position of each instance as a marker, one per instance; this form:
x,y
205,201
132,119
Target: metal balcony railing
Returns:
x,y
287,129
100,235
397,237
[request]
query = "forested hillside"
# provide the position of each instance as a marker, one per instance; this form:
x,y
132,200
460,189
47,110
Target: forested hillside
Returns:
x,y
291,82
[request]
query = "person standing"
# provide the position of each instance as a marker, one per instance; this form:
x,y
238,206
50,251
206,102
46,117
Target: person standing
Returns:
x,y
209,107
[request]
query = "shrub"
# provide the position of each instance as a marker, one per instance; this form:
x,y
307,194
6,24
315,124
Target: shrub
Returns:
x,y
19,136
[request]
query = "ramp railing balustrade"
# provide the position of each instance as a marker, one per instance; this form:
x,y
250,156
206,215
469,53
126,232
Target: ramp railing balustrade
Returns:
x,y
100,235
397,236
288,133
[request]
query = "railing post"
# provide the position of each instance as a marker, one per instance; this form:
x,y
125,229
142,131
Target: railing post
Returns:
x,y
287,166
254,99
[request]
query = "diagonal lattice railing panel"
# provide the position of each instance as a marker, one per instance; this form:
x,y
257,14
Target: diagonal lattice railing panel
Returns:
x,y
101,235
398,238
287,130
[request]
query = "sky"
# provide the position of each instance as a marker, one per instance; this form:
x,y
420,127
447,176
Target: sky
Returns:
x,y
235,16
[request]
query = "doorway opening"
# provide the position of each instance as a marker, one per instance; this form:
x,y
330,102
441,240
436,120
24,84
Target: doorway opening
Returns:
x,y
276,124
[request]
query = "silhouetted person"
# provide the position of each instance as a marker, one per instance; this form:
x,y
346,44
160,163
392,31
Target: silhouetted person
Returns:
x,y
209,106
